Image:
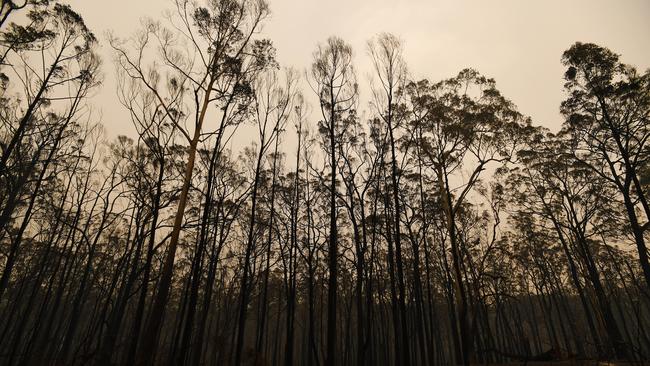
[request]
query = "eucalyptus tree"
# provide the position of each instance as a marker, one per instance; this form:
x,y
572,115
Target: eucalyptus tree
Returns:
x,y
334,82
147,172
381,243
315,229
291,192
607,113
48,68
72,248
8,7
272,107
41,238
359,170
576,202
466,126
215,69
109,194
46,61
386,52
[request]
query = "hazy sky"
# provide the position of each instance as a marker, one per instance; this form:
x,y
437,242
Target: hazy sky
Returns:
x,y
519,43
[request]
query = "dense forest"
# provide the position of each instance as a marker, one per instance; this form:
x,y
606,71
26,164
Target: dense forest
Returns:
x,y
435,224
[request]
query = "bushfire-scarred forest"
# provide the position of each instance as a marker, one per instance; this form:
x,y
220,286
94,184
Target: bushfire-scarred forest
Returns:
x,y
432,224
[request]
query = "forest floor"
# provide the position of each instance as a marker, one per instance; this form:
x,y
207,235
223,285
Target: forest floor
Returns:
x,y
572,363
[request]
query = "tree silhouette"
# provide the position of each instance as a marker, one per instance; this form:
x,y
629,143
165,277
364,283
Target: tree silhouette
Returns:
x,y
427,222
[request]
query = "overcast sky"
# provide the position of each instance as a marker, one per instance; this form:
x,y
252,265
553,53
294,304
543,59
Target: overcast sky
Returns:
x,y
519,43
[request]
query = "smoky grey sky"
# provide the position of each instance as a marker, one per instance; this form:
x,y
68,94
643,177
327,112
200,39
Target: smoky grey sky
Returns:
x,y
518,43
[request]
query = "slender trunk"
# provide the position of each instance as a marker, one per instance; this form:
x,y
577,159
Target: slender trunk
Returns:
x,y
152,331
332,283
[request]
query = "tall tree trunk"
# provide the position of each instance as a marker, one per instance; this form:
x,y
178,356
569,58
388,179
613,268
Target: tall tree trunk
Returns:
x,y
152,331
